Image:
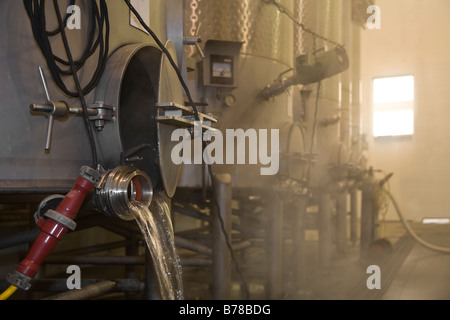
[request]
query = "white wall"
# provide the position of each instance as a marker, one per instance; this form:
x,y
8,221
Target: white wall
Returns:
x,y
414,39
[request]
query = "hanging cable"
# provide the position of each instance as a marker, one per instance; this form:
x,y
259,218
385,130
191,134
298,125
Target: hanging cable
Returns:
x,y
66,18
77,83
99,23
197,118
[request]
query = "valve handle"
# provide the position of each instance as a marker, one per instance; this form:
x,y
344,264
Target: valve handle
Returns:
x,y
48,139
195,41
51,120
44,84
60,109
51,108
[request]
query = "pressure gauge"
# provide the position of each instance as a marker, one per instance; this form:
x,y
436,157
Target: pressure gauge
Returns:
x,y
222,70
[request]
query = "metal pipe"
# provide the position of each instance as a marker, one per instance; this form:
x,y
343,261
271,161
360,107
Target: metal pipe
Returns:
x,y
48,108
94,249
196,262
19,238
152,290
201,235
354,216
132,249
241,246
116,226
192,245
87,293
120,188
368,215
325,230
275,247
341,214
119,261
96,260
299,226
191,213
249,230
58,285
221,274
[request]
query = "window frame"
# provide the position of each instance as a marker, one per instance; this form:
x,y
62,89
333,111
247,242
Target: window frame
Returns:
x,y
411,107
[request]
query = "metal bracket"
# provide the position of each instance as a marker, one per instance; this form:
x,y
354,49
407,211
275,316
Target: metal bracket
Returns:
x,y
60,110
172,113
126,156
104,113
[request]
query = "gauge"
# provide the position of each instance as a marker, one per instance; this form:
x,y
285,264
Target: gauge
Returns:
x,y
222,70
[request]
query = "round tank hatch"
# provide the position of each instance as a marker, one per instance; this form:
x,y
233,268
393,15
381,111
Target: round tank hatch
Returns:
x,y
136,79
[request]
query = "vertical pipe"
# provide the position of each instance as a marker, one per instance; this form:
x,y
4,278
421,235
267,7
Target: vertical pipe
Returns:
x,y
275,245
205,181
354,216
299,225
151,290
221,274
356,89
131,250
368,216
325,230
346,87
341,214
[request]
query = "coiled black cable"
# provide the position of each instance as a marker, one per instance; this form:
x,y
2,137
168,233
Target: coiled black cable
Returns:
x,y
99,24
98,41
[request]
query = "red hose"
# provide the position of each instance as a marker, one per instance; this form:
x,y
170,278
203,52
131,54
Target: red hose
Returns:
x,y
52,231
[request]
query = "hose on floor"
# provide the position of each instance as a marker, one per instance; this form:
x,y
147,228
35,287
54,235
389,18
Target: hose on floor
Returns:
x,y
8,293
411,231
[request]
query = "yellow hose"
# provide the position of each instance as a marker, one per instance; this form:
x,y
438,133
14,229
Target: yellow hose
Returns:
x,y
8,293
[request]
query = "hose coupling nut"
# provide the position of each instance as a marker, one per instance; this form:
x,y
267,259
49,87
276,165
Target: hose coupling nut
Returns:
x,y
90,175
19,280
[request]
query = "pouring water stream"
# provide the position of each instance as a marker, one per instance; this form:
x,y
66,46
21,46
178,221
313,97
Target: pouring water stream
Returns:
x,y
156,226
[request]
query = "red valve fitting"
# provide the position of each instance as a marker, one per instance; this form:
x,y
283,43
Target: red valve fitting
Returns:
x,y
54,227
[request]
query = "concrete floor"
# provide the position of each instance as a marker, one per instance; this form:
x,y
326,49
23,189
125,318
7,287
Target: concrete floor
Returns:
x,y
424,274
408,272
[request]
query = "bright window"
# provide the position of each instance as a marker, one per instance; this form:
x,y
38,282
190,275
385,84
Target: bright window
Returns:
x,y
393,106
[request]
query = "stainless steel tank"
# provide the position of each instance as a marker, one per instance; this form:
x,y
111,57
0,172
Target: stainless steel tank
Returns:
x,y
24,164
337,132
267,52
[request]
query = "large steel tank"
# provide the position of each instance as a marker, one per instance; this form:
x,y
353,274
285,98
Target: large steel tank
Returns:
x,y
25,165
266,54
337,132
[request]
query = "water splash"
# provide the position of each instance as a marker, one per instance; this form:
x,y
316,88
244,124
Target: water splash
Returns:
x,y
156,226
